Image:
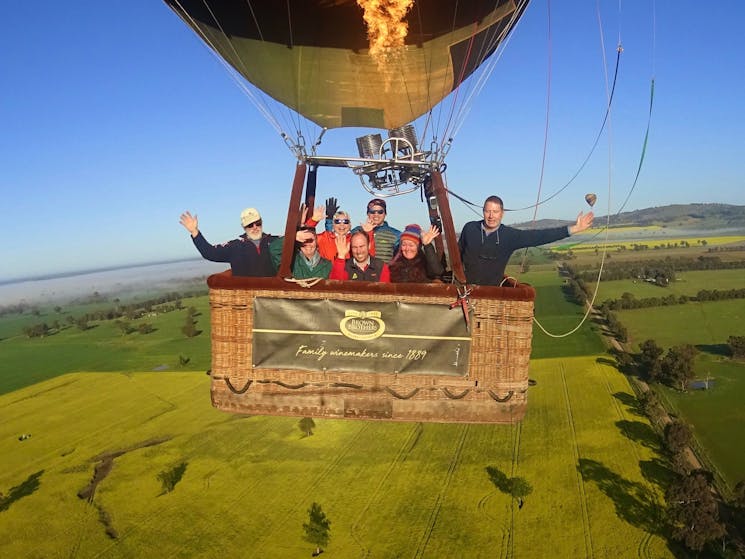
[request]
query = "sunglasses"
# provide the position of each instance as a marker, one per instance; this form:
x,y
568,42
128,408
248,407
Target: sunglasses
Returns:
x,y
341,221
252,225
376,211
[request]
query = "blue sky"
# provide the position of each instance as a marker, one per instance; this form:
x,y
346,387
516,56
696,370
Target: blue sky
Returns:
x,y
115,119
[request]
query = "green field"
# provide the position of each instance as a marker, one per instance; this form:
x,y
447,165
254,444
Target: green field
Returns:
x,y
709,323
104,348
717,415
558,316
389,489
686,283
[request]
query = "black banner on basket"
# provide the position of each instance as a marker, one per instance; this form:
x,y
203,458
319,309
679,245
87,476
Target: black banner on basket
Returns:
x,y
318,335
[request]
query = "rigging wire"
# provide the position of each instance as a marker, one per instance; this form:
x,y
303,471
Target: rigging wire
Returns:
x,y
591,303
498,43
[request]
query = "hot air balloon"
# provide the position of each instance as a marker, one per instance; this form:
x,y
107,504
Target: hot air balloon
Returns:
x,y
445,352
591,199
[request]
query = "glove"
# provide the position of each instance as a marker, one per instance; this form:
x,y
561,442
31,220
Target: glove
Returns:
x,y
332,206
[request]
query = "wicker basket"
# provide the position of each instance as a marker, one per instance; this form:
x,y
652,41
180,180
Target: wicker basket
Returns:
x,y
493,391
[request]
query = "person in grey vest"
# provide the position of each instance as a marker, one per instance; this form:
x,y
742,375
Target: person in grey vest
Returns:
x,y
383,238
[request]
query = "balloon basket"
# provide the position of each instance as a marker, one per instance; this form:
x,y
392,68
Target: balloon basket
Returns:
x,y
490,387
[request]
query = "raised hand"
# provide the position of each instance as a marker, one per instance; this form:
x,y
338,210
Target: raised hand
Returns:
x,y
303,213
584,221
367,225
190,223
318,213
342,247
430,235
332,206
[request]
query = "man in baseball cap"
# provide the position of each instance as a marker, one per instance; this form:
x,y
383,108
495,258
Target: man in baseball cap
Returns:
x,y
249,254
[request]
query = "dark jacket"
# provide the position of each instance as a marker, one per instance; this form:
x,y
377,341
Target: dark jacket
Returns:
x,y
485,256
424,267
348,270
246,259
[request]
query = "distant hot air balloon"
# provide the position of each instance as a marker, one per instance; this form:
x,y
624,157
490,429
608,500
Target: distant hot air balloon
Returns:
x,y
591,199
314,56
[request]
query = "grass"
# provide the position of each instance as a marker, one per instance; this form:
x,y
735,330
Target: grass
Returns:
x,y
103,348
709,323
389,489
651,244
716,415
558,316
686,283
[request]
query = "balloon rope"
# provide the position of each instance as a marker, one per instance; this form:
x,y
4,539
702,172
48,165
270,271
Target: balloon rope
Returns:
x,y
499,43
646,134
549,74
591,304
232,72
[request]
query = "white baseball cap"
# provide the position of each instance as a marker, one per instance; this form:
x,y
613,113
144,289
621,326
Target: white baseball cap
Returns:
x,y
249,215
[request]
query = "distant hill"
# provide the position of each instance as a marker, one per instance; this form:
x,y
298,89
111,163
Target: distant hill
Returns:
x,y
675,216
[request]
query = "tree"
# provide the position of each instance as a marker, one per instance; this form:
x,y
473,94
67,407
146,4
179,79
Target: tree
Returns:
x,y
169,478
145,328
676,368
519,488
737,346
739,495
693,512
124,327
189,328
677,436
307,425
651,406
317,528
649,358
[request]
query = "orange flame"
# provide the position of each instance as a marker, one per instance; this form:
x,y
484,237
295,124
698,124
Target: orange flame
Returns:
x,y
386,29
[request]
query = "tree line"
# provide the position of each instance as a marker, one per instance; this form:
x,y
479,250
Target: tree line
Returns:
x,y
651,268
629,301
122,313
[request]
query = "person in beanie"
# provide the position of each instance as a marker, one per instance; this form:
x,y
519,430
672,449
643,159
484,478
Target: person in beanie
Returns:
x,y
361,266
249,254
416,259
383,238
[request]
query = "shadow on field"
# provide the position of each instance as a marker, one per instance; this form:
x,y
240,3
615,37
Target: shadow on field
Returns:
x,y
656,472
630,401
639,432
722,350
28,487
606,361
631,499
517,487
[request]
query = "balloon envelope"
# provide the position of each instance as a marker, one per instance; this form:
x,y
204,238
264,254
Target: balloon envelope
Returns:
x,y
591,199
312,55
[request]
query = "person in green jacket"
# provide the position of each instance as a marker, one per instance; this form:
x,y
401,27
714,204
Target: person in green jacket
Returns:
x,y
308,262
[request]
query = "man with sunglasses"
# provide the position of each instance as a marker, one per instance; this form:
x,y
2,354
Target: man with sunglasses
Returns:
x,y
486,245
383,238
249,254
307,262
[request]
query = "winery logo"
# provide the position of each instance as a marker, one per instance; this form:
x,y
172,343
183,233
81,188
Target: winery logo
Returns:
x,y
362,325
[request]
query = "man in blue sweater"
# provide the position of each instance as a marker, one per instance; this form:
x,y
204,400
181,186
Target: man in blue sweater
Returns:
x,y
486,245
